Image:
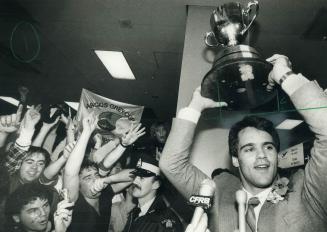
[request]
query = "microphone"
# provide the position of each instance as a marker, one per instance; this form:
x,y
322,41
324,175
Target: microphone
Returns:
x,y
241,199
203,200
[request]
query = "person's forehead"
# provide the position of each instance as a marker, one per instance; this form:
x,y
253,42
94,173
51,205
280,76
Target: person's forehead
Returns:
x,y
253,135
35,203
160,128
146,179
35,156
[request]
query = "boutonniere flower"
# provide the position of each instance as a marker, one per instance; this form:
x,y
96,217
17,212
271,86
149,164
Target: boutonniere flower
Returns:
x,y
279,190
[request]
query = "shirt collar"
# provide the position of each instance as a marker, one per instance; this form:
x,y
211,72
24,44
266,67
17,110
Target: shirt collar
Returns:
x,y
144,208
262,196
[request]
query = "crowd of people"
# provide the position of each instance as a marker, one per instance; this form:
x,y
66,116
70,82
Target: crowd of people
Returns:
x,y
95,183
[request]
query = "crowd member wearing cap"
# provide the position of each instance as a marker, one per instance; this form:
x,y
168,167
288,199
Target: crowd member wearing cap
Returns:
x,y
151,214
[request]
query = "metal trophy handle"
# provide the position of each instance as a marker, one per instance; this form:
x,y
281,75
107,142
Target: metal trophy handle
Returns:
x,y
209,37
246,12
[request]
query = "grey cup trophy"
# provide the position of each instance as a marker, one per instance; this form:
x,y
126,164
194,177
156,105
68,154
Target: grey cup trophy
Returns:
x,y
238,75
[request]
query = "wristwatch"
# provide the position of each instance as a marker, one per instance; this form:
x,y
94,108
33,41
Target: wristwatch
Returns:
x,y
285,76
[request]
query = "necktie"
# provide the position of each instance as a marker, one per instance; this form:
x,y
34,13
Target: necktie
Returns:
x,y
250,215
135,213
132,217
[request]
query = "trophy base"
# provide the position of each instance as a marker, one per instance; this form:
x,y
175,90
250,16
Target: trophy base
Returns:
x,y
238,77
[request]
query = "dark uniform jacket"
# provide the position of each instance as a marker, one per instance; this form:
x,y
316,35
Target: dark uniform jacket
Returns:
x,y
304,209
159,218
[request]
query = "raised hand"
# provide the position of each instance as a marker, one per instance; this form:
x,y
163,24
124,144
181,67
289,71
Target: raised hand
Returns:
x,y
51,125
70,129
200,103
32,117
133,134
281,66
90,123
63,215
98,140
10,123
98,185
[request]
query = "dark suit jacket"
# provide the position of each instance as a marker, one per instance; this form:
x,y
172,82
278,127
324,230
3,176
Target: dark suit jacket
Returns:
x,y
304,210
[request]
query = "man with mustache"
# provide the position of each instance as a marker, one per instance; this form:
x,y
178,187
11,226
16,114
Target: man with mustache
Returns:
x,y
151,214
297,204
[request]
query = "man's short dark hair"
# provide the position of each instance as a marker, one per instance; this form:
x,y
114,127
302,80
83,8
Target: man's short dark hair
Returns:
x,y
251,121
22,196
32,150
87,164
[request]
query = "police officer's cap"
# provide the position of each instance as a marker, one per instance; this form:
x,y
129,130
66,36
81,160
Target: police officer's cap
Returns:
x,y
147,166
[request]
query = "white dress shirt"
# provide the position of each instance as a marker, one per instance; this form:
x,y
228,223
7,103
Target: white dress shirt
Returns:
x,y
262,196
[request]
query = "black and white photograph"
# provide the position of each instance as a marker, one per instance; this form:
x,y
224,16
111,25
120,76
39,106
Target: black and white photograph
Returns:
x,y
163,116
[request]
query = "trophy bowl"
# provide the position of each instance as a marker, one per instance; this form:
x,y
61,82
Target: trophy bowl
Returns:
x,y
239,78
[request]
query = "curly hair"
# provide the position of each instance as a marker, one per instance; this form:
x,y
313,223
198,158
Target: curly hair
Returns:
x,y
22,196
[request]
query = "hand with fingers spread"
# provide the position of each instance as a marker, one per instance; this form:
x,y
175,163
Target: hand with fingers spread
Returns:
x,y
10,123
63,215
201,226
200,103
282,65
133,134
31,118
90,123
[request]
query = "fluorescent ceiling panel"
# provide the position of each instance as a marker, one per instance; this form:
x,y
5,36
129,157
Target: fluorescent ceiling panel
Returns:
x,y
116,64
289,124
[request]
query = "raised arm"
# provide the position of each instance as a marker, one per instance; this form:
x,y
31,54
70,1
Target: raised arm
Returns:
x,y
74,162
174,161
9,124
104,150
133,134
54,167
17,151
46,127
311,102
118,181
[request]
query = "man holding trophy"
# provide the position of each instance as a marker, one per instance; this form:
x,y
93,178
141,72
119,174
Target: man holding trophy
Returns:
x,y
269,201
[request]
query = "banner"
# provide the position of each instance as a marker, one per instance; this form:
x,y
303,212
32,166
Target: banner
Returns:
x,y
113,115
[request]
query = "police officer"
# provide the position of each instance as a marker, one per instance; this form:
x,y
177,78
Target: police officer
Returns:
x,y
151,214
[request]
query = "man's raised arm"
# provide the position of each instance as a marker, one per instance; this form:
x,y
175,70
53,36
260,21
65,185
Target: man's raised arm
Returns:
x,y
74,162
311,102
175,162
